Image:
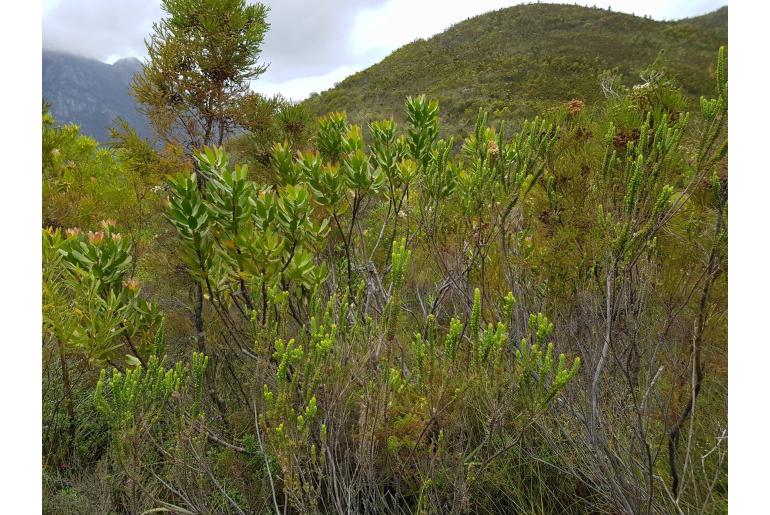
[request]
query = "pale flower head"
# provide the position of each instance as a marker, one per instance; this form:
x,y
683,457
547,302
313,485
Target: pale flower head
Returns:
x,y
95,238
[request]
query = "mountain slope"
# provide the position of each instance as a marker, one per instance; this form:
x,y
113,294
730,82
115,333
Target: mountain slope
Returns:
x,y
518,61
91,93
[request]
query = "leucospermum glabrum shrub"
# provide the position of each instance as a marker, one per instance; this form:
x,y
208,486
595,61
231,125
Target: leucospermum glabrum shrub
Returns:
x,y
256,248
256,251
91,304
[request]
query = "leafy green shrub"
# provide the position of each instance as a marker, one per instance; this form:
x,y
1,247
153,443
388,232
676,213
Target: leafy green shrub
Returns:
x,y
394,322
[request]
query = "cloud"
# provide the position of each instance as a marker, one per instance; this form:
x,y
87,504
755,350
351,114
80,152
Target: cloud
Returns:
x,y
105,30
310,38
304,37
310,44
300,88
380,30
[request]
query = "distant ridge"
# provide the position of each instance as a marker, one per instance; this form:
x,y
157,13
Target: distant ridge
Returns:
x,y
515,62
521,60
91,93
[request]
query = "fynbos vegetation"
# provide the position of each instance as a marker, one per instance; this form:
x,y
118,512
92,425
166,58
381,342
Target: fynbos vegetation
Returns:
x,y
329,318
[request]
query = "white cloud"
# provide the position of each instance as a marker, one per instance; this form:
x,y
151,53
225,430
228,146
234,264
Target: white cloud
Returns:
x,y
301,87
49,5
101,29
380,30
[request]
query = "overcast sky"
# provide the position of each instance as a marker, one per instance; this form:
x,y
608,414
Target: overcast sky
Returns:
x,y
310,44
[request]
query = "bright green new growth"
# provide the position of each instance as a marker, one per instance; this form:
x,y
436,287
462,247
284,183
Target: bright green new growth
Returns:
x,y
400,261
422,118
331,129
453,337
139,398
475,321
539,381
491,342
541,327
508,303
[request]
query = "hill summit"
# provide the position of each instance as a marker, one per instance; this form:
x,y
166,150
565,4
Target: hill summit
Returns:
x,y
521,60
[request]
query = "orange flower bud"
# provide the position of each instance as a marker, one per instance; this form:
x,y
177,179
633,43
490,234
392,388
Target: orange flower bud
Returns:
x,y
494,150
575,106
132,284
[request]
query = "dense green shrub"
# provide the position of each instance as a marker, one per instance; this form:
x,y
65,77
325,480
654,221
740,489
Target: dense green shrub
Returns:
x,y
526,321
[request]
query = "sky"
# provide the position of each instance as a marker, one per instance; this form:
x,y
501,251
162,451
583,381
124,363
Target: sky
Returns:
x,y
311,45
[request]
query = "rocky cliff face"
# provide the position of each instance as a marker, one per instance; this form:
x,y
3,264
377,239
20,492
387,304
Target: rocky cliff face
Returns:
x,y
91,93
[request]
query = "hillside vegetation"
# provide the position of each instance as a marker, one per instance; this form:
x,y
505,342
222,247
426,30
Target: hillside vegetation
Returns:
x,y
375,319
520,61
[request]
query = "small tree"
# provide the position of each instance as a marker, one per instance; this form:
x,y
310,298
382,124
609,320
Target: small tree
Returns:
x,y
202,57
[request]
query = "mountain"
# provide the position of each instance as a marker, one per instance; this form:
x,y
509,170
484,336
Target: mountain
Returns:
x,y
519,61
91,93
